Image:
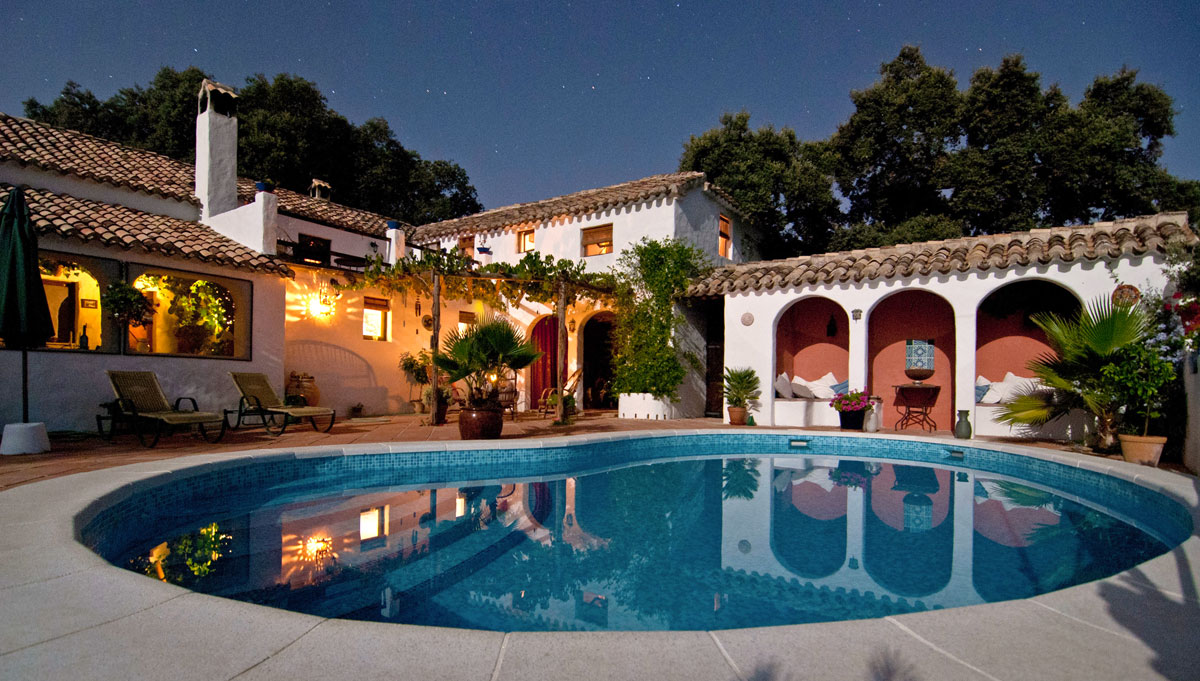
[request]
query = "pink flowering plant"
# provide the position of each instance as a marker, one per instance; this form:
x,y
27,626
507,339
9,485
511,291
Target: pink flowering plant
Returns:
x,y
855,400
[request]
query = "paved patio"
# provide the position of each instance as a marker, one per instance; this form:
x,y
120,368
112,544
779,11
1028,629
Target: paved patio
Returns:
x,y
66,613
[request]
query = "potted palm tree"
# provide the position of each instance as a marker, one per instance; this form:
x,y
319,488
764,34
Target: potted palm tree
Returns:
x,y
478,356
741,390
1072,374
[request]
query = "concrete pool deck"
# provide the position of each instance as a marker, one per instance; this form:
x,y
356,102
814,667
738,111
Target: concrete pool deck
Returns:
x,y
65,613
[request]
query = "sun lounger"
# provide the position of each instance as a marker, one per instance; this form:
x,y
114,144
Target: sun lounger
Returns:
x,y
144,407
259,400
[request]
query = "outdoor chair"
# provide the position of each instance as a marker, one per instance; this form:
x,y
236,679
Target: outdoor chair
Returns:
x,y
142,406
260,401
508,395
546,405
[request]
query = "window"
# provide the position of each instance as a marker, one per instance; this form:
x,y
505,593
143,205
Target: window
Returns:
x,y
195,315
723,238
73,284
525,241
375,318
597,240
466,246
312,250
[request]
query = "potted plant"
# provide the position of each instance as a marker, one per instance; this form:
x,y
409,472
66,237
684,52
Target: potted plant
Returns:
x,y
1082,345
568,408
417,369
1137,378
438,408
478,356
852,408
741,390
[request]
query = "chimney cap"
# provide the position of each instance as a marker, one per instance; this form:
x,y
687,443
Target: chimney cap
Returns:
x,y
320,189
221,98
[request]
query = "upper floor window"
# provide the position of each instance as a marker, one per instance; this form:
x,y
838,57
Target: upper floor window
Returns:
x,y
375,318
466,246
723,236
597,240
525,241
312,250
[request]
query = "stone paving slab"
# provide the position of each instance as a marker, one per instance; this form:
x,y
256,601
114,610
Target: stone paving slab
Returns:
x,y
190,638
1020,640
863,649
339,650
613,655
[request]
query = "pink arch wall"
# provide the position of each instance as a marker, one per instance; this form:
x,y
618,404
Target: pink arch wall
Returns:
x,y
904,315
802,345
1005,338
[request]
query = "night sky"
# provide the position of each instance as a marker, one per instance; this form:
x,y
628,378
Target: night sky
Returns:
x,y
540,99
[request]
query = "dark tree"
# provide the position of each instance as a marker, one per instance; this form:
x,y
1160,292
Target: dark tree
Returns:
x,y
891,155
778,182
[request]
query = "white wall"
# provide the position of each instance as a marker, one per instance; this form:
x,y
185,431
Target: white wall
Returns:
x,y
289,228
66,387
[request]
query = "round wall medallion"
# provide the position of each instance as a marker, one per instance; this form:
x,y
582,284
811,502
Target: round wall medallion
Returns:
x,y
1127,295
427,322
744,546
747,319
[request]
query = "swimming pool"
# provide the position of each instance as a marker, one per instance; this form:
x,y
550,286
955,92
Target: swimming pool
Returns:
x,y
724,531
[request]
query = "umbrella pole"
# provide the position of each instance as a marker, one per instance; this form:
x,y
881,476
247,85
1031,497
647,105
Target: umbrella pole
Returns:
x,y
24,385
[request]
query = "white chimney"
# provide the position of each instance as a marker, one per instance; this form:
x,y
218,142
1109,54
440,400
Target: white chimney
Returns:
x,y
216,149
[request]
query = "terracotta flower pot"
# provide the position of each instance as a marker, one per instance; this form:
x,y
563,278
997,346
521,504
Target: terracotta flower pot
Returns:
x,y
480,424
737,416
1143,449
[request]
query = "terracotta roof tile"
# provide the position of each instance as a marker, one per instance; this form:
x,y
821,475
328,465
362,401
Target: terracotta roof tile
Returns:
x,y
110,225
69,152
1103,240
323,211
579,203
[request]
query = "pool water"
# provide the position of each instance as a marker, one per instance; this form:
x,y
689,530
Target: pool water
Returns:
x,y
704,543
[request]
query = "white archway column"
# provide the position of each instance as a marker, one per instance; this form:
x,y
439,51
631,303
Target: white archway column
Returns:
x,y
858,346
750,341
964,361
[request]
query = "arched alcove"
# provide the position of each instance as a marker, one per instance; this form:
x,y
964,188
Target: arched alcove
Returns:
x,y
912,315
1006,340
597,362
812,338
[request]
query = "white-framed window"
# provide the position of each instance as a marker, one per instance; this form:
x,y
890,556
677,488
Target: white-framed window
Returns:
x,y
375,318
525,241
724,239
597,240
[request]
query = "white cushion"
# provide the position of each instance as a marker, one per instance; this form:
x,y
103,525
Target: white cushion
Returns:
x,y
827,380
783,385
982,381
996,393
820,388
1009,388
800,388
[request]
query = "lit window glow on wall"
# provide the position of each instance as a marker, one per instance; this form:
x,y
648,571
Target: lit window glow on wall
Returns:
x,y
525,241
723,239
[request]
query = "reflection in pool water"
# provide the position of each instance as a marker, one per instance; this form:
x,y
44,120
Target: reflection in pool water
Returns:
x,y
698,544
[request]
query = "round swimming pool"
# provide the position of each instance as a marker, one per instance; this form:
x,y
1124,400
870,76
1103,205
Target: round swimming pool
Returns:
x,y
685,532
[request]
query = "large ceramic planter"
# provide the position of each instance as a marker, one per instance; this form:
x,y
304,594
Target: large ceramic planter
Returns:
x,y
737,416
852,420
1143,449
480,424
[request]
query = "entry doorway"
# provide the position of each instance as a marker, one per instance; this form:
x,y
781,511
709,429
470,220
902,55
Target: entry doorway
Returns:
x,y
543,374
598,362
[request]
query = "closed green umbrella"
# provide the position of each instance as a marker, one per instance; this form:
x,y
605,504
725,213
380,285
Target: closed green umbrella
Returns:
x,y
24,313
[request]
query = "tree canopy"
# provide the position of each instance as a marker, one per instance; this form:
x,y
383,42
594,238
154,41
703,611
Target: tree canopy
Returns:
x,y
921,159
286,134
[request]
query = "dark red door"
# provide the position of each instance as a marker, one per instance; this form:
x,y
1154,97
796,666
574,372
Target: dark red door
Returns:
x,y
542,374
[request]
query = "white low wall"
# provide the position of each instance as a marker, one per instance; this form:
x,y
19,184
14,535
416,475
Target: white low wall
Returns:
x,y
1191,446
1073,427
647,406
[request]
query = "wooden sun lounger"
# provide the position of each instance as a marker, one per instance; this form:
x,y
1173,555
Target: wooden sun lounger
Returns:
x,y
259,400
142,404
